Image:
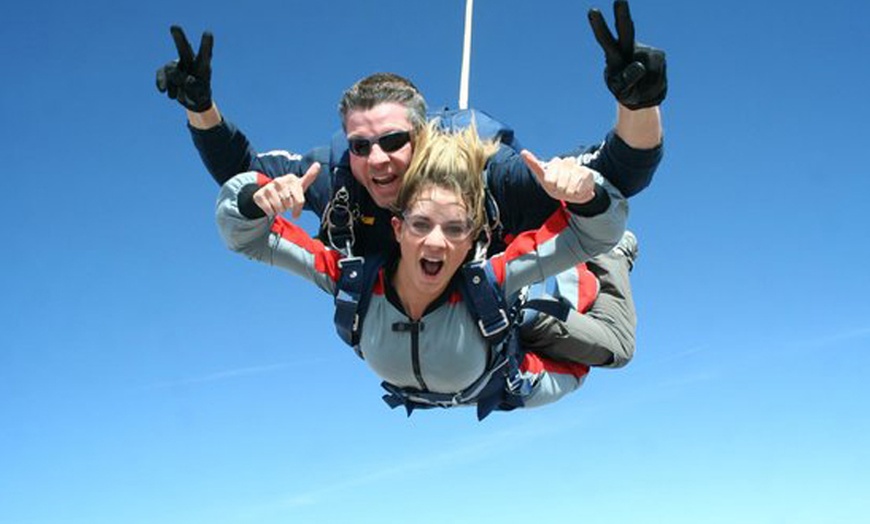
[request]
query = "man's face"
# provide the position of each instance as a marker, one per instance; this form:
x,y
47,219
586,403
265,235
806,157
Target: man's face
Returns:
x,y
380,172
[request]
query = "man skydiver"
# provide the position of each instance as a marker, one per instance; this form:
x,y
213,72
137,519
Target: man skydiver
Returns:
x,y
381,114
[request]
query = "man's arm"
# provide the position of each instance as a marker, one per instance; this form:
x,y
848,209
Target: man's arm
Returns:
x,y
208,119
223,148
641,128
636,75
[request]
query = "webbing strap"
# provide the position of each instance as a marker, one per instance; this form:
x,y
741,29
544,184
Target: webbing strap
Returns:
x,y
349,291
502,387
549,306
486,301
491,382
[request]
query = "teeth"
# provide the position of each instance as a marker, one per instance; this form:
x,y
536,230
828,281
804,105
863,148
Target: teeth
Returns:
x,y
384,181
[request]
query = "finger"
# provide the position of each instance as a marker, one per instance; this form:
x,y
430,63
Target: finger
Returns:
x,y
310,176
295,199
580,193
535,165
298,188
161,79
566,182
587,188
624,28
185,52
604,37
202,63
263,202
631,75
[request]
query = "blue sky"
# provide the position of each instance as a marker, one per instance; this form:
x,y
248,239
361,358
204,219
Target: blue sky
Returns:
x,y
149,375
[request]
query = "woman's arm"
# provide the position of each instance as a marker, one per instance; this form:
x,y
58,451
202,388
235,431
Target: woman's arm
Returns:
x,y
247,230
574,233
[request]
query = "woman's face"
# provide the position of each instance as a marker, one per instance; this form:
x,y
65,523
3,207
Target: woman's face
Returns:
x,y
434,236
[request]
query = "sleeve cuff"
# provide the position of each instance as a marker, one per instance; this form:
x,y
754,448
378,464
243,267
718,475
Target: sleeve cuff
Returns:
x,y
245,202
599,204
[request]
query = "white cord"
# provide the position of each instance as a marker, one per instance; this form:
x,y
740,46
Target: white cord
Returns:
x,y
466,57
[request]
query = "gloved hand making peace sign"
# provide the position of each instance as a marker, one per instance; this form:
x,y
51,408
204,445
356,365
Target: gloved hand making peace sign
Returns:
x,y
634,73
188,79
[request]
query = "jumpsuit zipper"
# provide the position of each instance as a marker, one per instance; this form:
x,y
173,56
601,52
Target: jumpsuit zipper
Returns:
x,y
414,327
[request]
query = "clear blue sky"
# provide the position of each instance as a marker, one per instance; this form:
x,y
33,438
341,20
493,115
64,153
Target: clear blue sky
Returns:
x,y
149,375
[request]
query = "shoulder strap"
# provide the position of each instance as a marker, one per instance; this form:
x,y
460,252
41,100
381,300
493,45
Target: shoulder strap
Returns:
x,y
353,291
493,216
485,300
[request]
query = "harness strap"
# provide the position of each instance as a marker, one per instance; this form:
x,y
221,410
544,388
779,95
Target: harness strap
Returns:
x,y
350,290
353,292
502,387
486,300
493,214
549,306
492,381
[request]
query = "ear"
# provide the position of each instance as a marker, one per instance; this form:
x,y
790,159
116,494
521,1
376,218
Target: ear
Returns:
x,y
397,228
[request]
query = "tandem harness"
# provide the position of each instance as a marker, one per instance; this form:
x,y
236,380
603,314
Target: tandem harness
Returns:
x,y
502,385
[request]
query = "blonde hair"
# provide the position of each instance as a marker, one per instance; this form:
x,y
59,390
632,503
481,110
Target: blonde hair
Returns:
x,y
452,160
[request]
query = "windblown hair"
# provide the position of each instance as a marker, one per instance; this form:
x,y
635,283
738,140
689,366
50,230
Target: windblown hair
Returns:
x,y
452,160
381,88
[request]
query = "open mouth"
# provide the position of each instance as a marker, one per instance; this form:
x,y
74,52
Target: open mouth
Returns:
x,y
431,267
385,181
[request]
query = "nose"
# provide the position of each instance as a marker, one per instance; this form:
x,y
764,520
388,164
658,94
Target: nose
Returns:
x,y
377,155
435,238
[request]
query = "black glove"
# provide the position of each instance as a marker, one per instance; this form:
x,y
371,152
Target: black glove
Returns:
x,y
188,79
634,73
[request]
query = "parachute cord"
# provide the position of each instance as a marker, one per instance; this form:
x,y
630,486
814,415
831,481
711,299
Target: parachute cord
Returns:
x,y
466,57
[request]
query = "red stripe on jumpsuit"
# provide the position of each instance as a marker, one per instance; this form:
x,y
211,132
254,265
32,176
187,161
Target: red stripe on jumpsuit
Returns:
x,y
325,260
528,241
536,364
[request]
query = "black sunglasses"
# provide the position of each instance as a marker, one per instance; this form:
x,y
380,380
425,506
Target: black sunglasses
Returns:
x,y
389,143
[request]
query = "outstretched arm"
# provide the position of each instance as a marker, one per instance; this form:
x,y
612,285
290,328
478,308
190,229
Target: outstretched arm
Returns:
x,y
224,150
635,74
589,225
249,229
208,119
640,128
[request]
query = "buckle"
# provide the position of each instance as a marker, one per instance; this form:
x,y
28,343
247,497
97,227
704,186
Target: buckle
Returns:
x,y
339,203
498,328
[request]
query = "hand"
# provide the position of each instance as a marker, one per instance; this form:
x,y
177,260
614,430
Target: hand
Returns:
x,y
634,73
188,79
286,192
563,178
